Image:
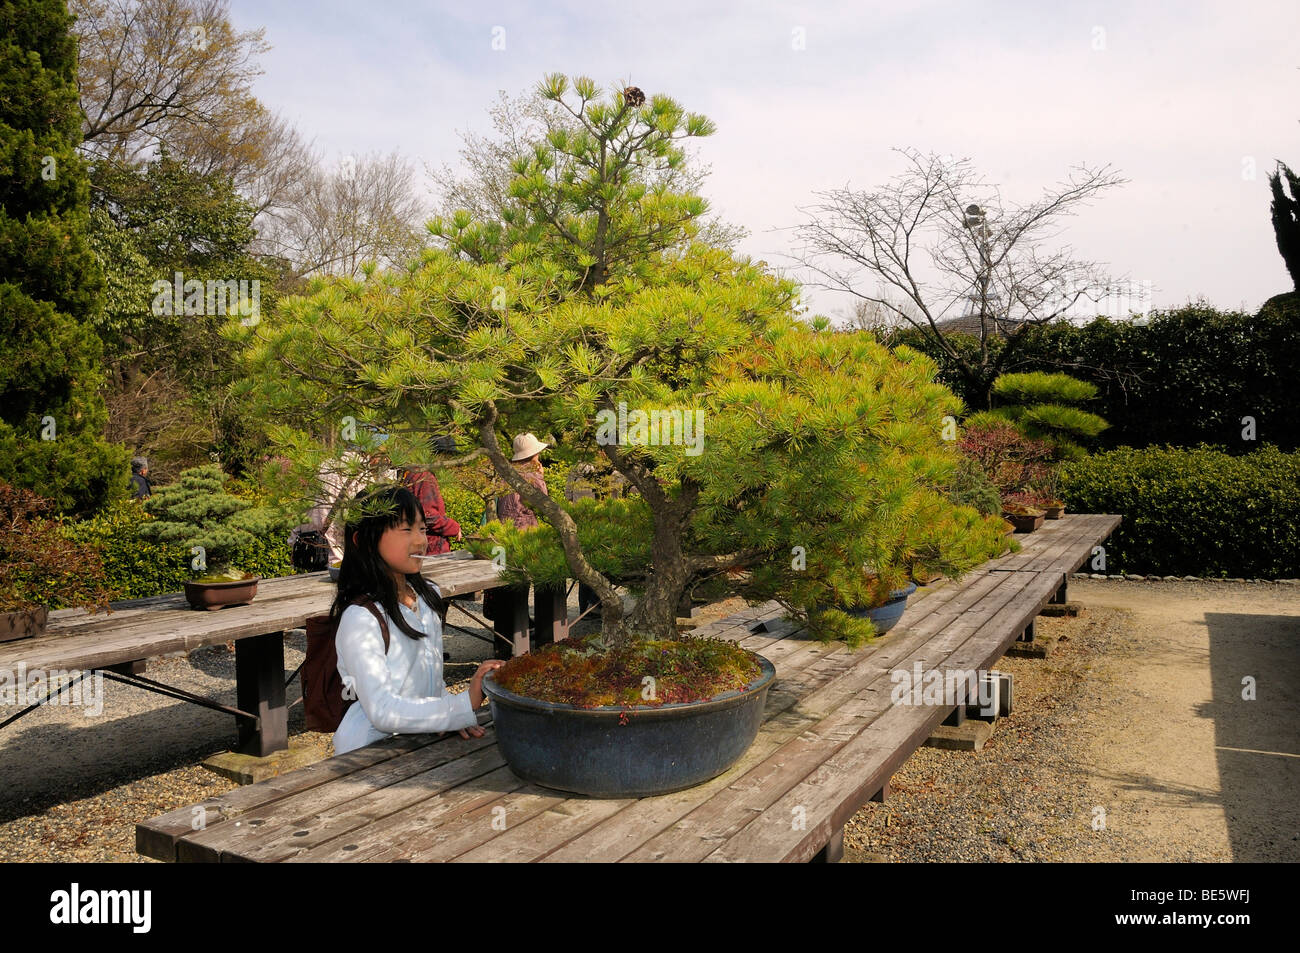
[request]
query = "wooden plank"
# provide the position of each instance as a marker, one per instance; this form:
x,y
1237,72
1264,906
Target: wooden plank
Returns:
x,y
700,832
475,798
835,789
291,825
158,836
952,606
399,834
616,838
165,624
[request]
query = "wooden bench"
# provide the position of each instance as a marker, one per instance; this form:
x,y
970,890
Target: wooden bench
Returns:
x,y
115,644
831,739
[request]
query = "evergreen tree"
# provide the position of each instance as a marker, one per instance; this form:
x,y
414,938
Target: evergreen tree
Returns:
x,y
752,440
51,413
1286,219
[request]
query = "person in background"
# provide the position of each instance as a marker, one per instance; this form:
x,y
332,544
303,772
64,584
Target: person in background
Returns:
x,y
528,461
340,480
140,486
440,527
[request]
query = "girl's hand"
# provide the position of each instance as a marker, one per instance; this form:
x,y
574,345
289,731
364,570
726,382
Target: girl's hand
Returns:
x,y
474,731
476,683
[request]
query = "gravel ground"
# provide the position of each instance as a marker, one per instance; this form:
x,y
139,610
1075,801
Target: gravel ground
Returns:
x,y
1137,717
75,788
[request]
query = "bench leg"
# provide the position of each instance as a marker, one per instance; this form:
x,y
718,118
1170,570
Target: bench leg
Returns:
x,y
1061,597
259,675
510,620
551,609
833,852
1028,634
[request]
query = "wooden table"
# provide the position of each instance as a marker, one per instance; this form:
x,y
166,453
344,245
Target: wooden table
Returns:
x,y
80,643
831,739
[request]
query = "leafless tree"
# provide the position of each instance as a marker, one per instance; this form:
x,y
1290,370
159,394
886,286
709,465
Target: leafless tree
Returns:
x,y
947,254
362,209
175,73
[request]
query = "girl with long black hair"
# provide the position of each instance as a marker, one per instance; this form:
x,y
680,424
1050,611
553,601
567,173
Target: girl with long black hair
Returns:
x,y
400,691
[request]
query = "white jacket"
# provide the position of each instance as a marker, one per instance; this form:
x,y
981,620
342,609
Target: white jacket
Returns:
x,y
398,693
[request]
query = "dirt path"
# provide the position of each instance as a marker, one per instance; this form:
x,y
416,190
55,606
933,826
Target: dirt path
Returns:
x,y
1138,718
1180,760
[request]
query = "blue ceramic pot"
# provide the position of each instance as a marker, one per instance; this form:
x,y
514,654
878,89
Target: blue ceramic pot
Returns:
x,y
627,752
886,616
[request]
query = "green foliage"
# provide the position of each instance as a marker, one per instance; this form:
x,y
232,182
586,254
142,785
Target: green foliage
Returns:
x,y
1037,387
463,505
1037,404
51,412
1285,212
582,198
970,486
811,440
1189,376
149,224
614,535
1198,512
136,567
195,511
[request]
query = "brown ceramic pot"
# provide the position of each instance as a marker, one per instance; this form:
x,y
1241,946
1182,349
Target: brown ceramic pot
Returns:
x,y
218,595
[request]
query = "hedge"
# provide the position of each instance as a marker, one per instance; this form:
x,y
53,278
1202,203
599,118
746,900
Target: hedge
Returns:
x,y
135,568
1194,512
1187,377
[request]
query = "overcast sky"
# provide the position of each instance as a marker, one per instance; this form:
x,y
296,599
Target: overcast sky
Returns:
x,y
1192,102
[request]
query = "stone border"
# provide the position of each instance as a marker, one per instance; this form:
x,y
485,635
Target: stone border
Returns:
x,y
1136,578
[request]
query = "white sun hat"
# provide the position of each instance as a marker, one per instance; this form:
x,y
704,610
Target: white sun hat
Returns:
x,y
526,445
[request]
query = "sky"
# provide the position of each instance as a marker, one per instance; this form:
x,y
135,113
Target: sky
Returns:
x,y
1192,102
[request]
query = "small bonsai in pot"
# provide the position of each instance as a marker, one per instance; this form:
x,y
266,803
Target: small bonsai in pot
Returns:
x,y
1023,514
198,516
41,567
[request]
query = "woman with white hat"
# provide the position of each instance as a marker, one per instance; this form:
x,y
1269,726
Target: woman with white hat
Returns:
x,y
527,460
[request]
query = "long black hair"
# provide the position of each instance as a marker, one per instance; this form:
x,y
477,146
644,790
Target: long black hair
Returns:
x,y
364,575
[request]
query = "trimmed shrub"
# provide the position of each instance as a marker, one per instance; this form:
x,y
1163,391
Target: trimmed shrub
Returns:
x,y
135,568
1195,512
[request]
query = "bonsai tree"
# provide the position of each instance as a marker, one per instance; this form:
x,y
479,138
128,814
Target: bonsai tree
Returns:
x,y
752,440
1042,407
39,566
197,515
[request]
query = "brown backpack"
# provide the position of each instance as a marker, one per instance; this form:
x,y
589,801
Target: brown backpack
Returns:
x,y
323,696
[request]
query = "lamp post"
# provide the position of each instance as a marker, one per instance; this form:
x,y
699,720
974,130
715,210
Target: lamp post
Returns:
x,y
977,222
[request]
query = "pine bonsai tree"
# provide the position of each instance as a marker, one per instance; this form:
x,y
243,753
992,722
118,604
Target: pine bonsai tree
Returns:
x,y
197,515
1041,406
753,441
51,413
1285,210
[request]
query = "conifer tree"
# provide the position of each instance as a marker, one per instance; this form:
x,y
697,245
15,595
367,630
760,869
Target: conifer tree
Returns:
x,y
51,413
1285,210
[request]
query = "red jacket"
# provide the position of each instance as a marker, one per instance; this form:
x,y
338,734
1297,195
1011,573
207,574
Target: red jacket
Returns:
x,y
439,525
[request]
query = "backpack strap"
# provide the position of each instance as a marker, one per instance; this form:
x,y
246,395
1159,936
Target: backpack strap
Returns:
x,y
383,624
